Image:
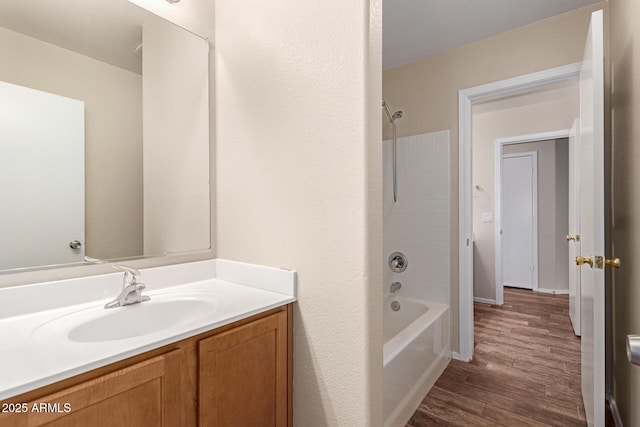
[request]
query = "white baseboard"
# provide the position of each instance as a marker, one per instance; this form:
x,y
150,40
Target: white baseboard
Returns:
x,y
553,291
614,411
485,300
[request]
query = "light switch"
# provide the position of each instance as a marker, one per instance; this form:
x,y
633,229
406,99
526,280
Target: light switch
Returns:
x,y
487,216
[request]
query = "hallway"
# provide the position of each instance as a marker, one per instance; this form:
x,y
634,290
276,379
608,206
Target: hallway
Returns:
x,y
525,370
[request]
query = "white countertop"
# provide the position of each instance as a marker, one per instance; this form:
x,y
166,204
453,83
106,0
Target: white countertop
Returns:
x,y
35,350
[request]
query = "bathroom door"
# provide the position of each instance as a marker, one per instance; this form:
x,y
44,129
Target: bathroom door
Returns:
x,y
41,178
592,223
519,219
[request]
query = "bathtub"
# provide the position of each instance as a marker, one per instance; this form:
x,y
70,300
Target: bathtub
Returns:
x,y
416,352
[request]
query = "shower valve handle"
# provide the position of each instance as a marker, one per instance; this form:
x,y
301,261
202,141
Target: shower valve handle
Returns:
x,y
398,262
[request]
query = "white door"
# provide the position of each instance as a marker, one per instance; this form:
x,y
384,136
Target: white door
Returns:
x,y
519,212
592,222
41,178
573,238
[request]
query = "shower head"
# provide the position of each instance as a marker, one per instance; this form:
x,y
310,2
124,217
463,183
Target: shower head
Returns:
x,y
396,115
392,118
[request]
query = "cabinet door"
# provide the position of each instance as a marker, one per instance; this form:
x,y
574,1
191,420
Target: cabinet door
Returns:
x,y
243,375
144,394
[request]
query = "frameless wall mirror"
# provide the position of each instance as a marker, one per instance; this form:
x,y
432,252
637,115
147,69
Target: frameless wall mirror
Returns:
x,y
104,134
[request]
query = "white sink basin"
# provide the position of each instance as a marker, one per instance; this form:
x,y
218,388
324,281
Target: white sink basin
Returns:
x,y
140,319
164,312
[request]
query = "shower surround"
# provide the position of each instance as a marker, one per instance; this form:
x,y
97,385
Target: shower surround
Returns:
x,y
418,223
417,326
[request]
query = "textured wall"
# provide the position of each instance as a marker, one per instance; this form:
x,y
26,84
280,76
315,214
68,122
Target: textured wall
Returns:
x,y
298,183
427,90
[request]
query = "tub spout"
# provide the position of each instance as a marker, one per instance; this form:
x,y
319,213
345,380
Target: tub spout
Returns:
x,y
395,287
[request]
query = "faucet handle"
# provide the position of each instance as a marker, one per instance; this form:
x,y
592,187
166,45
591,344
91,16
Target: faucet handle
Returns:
x,y
131,292
135,287
130,278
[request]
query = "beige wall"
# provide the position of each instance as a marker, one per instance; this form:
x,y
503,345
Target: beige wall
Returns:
x,y
552,221
298,183
196,16
427,90
176,139
625,103
113,129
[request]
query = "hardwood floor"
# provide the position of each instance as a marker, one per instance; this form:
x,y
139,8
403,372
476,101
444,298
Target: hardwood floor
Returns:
x,y
525,370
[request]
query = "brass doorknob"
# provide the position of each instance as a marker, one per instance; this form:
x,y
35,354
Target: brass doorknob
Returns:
x,y
584,260
612,262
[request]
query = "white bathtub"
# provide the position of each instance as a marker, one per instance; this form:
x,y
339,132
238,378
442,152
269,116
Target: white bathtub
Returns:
x,y
416,352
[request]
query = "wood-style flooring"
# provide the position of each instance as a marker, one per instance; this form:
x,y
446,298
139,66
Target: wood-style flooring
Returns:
x,y
525,369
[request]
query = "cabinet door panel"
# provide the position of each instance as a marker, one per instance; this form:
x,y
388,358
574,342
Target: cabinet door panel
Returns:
x,y
144,394
243,375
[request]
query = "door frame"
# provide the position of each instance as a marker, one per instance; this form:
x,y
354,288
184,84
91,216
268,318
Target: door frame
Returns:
x,y
466,99
499,145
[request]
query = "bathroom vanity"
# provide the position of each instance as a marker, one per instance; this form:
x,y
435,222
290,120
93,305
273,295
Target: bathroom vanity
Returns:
x,y
224,359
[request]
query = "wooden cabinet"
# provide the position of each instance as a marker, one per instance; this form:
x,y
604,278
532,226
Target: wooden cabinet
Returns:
x,y
243,375
237,375
143,394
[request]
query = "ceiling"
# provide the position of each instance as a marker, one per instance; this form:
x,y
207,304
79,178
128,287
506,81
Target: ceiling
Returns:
x,y
109,30
415,29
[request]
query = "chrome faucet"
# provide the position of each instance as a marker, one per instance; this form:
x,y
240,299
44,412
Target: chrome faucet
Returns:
x,y
131,290
395,287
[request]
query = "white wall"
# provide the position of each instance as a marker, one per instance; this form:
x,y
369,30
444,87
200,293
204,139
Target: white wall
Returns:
x,y
113,126
525,120
176,139
418,223
298,183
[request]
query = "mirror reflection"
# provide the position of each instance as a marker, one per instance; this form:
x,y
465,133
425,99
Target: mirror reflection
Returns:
x,y
104,134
